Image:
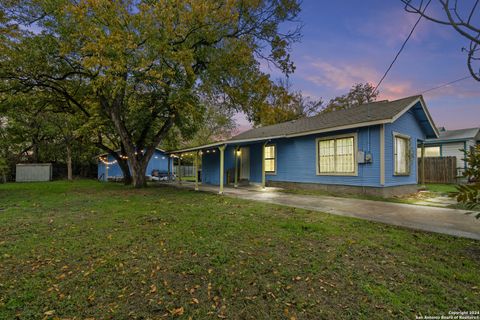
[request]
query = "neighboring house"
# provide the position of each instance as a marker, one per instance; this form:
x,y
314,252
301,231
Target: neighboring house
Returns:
x,y
369,149
108,168
453,143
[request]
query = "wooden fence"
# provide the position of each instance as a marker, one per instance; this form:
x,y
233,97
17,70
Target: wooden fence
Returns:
x,y
187,171
438,170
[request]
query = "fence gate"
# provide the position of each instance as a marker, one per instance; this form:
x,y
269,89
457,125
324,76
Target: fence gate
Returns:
x,y
438,169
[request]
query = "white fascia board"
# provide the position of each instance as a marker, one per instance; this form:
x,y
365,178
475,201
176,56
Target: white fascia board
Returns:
x,y
423,104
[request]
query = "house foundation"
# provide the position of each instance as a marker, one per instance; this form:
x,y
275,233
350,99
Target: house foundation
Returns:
x,y
333,188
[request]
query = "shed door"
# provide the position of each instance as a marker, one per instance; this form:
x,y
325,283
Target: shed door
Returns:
x,y
245,163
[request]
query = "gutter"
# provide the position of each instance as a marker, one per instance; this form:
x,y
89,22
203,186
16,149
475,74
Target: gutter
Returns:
x,y
306,133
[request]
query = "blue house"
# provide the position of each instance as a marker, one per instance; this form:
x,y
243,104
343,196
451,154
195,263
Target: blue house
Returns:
x,y
368,149
108,168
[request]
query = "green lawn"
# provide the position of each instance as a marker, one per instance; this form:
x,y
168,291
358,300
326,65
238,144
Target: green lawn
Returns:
x,y
434,190
441,188
103,251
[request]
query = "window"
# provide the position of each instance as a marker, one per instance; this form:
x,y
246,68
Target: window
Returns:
x,y
270,159
429,152
402,154
336,155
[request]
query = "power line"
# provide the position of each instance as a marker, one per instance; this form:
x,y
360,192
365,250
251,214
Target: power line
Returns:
x,y
402,47
445,84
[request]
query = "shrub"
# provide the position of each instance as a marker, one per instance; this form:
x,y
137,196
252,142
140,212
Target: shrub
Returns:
x,y
469,195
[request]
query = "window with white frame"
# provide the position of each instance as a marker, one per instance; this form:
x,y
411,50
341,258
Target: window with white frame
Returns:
x,y
401,154
270,159
336,155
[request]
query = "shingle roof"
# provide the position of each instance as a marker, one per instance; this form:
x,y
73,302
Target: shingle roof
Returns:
x,y
376,111
364,115
460,134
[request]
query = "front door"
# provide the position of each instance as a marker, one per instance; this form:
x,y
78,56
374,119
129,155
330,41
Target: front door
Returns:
x,y
244,163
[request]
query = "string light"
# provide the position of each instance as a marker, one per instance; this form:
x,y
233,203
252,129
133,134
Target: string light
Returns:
x,y
106,162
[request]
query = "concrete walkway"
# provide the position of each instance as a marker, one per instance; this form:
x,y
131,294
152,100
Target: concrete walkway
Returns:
x,y
434,219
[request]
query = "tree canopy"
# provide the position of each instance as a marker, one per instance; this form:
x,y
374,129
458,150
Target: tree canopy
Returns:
x,y
359,94
140,68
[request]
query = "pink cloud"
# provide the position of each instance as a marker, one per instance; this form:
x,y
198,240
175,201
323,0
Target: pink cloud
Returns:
x,y
242,123
342,77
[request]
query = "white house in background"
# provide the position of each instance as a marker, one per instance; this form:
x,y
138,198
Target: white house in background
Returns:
x,y
452,143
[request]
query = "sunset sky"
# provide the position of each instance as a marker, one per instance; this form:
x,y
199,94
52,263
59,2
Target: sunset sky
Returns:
x,y
346,42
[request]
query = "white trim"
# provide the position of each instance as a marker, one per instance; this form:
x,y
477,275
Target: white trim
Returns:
x,y
408,155
353,135
382,155
423,104
272,173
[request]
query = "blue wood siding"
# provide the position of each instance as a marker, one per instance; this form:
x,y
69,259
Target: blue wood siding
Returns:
x,y
296,157
408,125
211,165
296,160
159,161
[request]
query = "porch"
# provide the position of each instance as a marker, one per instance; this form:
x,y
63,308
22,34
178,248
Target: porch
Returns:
x,y
243,164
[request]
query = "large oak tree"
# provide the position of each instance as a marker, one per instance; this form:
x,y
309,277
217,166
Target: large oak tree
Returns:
x,y
142,67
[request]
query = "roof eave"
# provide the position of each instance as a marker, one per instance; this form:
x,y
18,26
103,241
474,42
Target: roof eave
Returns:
x,y
425,109
305,133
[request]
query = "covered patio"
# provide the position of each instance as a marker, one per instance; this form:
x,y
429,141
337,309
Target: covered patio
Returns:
x,y
234,163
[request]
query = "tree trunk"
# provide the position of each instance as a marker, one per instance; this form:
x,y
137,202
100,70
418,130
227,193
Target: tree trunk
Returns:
x,y
138,166
127,176
35,155
69,162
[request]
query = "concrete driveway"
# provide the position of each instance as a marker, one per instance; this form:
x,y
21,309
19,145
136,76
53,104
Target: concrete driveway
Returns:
x,y
434,219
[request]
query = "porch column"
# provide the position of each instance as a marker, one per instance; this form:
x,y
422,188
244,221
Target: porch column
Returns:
x,y
423,165
263,164
382,154
179,169
237,150
222,166
196,170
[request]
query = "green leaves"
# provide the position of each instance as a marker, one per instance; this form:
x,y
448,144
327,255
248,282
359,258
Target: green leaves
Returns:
x,y
136,69
469,195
